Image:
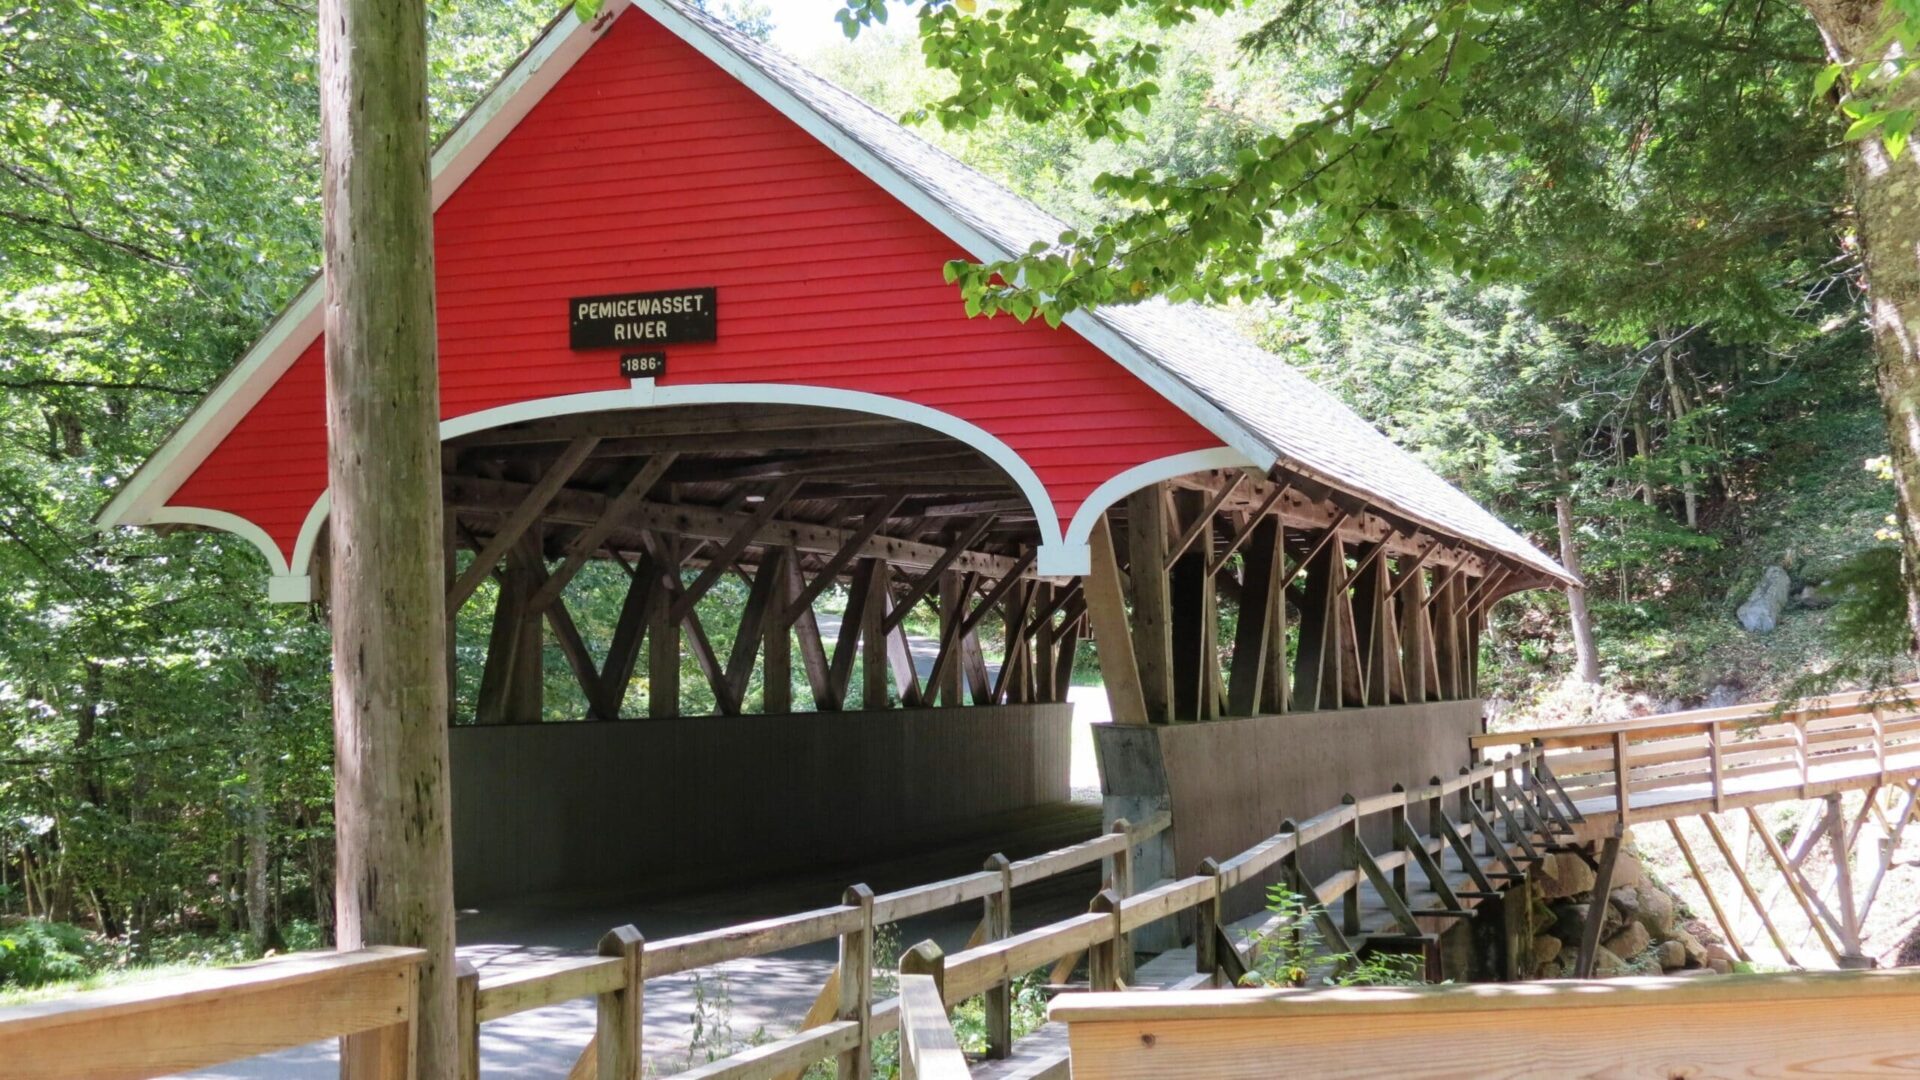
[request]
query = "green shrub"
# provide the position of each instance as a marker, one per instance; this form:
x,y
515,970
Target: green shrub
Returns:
x,y
38,951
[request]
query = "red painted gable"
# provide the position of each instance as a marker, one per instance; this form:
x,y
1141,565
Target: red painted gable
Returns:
x,y
648,167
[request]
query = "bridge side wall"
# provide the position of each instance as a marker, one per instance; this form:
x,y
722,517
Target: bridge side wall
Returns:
x,y
1230,783
681,803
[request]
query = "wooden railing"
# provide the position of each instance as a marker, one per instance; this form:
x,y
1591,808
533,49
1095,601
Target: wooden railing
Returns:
x,y
210,1018
844,1020
1491,818
1685,763
1826,1024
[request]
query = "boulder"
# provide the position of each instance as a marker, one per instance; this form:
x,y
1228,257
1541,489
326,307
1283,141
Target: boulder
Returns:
x,y
1551,971
1564,874
1546,948
1761,613
1720,967
1570,917
1630,942
1626,869
1717,951
1673,956
1696,952
1655,911
1626,901
1606,963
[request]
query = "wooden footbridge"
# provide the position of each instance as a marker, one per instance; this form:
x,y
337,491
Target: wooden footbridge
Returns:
x,y
1388,871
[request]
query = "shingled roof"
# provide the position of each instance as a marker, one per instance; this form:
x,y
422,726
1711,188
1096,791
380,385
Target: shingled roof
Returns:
x,y
1256,401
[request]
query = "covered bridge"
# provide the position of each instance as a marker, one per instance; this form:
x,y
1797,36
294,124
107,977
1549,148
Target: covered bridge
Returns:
x,y
693,325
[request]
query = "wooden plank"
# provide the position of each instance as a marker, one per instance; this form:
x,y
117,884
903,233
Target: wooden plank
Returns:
x,y
1793,887
1840,1023
1706,888
856,543
1746,886
532,503
928,1049
1202,526
743,940
585,543
722,560
806,631
1107,608
925,583
781,1055
212,1017
552,982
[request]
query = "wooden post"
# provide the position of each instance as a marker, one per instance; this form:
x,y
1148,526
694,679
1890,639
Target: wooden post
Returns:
x,y
1622,778
466,981
1120,882
394,851
1247,689
1350,862
618,1034
856,986
1208,929
1152,636
927,959
776,646
663,643
1597,909
1107,607
1195,614
1713,757
997,921
1103,960
1839,850
873,638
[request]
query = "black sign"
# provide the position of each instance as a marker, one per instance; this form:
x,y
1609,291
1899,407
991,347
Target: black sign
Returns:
x,y
643,365
674,317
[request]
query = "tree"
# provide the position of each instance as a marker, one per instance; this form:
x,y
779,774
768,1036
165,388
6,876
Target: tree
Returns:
x,y
392,808
1871,36
1412,159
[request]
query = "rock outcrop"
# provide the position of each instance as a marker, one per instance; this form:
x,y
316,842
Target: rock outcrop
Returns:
x,y
1643,931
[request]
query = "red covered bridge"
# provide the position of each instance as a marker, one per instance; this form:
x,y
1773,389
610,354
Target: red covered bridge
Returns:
x,y
693,324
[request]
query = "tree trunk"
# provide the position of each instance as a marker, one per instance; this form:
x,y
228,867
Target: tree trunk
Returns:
x,y
394,882
1689,494
261,932
1586,656
1887,197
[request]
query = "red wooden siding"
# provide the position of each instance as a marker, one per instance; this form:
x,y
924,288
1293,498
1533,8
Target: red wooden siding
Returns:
x,y
647,167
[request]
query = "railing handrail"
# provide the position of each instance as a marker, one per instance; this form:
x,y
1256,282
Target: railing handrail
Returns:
x,y
212,1017
1905,697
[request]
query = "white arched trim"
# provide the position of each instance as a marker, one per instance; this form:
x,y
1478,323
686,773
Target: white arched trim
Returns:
x,y
225,522
1056,557
1166,468
283,586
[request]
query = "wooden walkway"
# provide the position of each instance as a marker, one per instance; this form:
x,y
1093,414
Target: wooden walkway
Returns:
x,y
1707,762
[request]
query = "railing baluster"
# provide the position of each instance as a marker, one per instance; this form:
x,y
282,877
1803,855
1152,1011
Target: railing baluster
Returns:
x,y
617,1037
856,985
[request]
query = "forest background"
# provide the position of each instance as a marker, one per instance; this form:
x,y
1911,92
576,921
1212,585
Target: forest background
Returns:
x,y
1658,358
